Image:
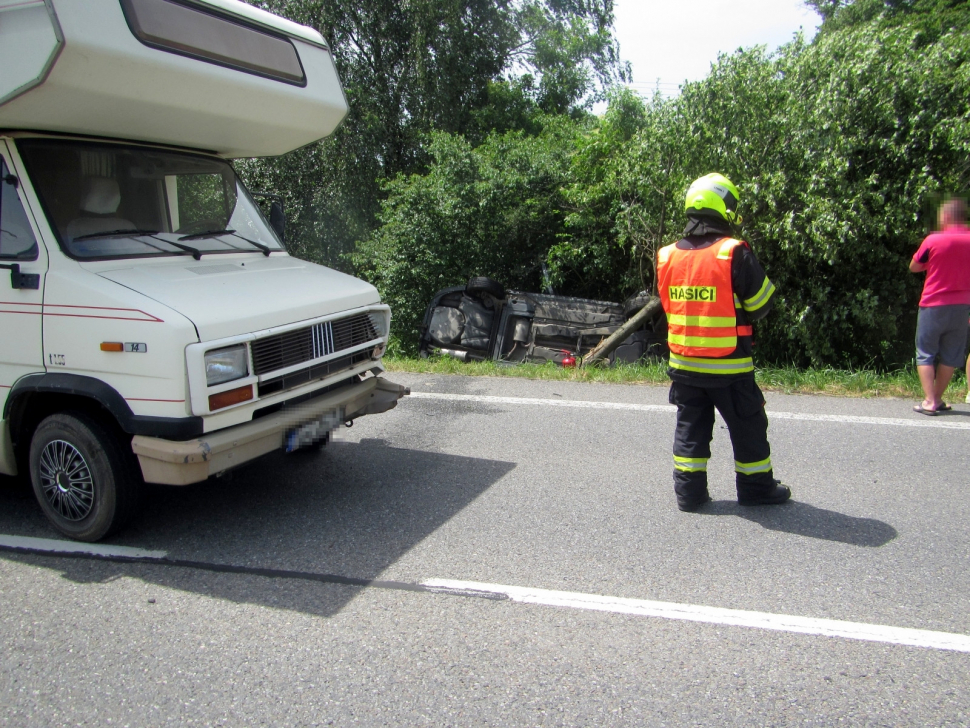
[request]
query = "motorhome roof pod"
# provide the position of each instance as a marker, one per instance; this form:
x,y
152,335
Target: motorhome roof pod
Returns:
x,y
215,75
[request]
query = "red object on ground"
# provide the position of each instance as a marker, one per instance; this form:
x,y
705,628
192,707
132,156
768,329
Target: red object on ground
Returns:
x,y
569,361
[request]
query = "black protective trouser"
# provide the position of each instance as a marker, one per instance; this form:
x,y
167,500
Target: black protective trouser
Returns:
x,y
742,405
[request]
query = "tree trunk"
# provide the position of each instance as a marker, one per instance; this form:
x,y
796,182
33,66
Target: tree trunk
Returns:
x,y
605,347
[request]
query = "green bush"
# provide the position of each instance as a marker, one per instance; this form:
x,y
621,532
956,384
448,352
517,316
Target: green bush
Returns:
x,y
491,210
840,148
875,130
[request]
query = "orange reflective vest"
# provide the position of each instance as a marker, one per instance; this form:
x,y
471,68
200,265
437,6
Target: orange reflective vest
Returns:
x,y
698,297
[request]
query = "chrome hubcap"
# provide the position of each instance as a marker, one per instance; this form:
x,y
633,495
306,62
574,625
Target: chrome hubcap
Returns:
x,y
66,480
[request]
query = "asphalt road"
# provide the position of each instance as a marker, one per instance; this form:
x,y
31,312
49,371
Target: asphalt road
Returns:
x,y
575,499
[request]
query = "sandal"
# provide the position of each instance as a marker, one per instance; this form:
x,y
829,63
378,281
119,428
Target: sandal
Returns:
x,y
944,407
923,411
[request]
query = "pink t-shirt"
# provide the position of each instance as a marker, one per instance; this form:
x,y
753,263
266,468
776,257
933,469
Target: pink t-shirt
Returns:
x,y
946,256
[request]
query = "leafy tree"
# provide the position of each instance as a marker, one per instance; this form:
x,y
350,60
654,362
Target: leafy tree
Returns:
x,y
931,17
621,201
876,129
488,210
840,148
825,8
629,179
458,66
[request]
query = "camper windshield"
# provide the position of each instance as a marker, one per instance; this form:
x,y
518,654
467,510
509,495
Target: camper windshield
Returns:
x,y
109,201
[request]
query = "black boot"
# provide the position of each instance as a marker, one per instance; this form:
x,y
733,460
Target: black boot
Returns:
x,y
690,489
691,505
779,493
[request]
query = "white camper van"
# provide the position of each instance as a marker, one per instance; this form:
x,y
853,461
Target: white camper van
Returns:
x,y
152,326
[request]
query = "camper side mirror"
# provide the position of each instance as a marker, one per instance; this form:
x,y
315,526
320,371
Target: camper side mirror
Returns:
x,y
277,220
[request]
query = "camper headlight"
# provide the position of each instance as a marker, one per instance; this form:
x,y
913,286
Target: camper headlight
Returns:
x,y
378,319
225,365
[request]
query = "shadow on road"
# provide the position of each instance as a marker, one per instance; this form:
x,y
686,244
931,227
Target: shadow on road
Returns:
x,y
351,510
955,413
802,519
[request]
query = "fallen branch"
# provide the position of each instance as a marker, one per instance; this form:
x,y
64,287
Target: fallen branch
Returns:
x,y
606,347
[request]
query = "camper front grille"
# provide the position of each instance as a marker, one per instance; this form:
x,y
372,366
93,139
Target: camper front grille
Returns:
x,y
305,376
313,342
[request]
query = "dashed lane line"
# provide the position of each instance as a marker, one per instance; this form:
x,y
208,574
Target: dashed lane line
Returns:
x,y
943,422
831,628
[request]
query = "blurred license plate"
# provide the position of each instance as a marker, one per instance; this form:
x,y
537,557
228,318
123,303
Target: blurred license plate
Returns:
x,y
313,431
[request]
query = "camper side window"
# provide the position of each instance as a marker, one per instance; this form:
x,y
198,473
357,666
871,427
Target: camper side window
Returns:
x,y
16,238
179,26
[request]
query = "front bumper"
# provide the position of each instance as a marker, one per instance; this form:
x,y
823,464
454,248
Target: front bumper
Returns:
x,y
179,463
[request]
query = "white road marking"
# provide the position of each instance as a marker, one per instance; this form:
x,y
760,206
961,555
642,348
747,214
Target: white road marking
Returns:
x,y
713,615
941,422
75,547
545,402
578,600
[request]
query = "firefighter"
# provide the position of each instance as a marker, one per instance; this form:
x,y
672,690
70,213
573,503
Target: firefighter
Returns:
x,y
712,289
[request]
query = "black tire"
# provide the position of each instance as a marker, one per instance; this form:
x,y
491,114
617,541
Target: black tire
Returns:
x,y
633,304
481,284
86,481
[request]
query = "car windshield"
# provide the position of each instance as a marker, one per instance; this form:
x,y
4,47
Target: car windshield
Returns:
x,y
110,201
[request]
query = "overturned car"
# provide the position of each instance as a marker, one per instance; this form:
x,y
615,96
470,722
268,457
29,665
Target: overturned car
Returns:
x,y
482,321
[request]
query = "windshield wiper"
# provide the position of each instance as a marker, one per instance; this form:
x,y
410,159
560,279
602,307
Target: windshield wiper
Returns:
x,y
196,253
266,250
228,231
114,234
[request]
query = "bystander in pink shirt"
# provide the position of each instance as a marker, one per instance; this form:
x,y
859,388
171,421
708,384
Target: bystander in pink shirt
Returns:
x,y
946,255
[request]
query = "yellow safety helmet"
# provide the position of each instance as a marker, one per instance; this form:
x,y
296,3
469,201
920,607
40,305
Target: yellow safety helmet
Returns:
x,y
714,193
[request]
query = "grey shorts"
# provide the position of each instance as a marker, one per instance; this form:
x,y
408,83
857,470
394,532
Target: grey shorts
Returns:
x,y
941,331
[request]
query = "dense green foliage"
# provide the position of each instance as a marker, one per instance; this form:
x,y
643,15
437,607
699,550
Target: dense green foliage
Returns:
x,y
465,67
875,132
493,208
469,150
840,147
931,17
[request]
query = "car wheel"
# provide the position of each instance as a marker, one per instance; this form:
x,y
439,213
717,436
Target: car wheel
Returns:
x,y
85,481
481,284
633,304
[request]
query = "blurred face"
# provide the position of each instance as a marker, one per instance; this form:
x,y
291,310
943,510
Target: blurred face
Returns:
x,y
951,213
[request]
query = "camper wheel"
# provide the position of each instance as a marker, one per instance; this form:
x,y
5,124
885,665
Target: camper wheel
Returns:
x,y
84,479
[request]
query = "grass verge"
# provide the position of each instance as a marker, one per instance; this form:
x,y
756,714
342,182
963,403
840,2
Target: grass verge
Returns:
x,y
789,380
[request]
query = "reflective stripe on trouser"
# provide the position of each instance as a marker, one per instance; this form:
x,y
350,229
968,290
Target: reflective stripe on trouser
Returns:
x,y
741,404
762,466
690,465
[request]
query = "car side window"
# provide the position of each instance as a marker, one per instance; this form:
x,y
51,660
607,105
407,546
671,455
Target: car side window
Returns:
x,y
16,238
